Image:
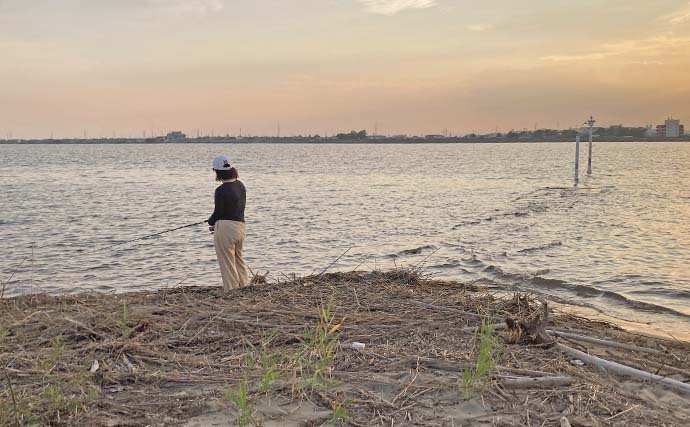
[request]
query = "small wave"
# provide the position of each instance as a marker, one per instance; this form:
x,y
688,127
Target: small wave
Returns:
x,y
665,292
98,267
540,248
472,262
449,266
538,282
415,251
466,223
495,217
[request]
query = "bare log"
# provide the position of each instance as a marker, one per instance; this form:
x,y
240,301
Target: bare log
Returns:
x,y
605,343
624,370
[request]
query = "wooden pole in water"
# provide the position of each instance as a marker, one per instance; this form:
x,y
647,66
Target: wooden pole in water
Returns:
x,y
577,158
590,122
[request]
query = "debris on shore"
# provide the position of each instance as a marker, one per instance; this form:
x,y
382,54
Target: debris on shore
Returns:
x,y
361,349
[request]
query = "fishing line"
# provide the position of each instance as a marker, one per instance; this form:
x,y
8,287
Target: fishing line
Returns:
x,y
21,263
144,237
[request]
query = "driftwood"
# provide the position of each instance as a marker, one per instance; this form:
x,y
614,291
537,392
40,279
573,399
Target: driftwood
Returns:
x,y
531,330
537,382
620,369
605,343
659,366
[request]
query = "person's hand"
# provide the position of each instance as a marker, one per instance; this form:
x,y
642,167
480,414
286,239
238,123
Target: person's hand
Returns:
x,y
212,229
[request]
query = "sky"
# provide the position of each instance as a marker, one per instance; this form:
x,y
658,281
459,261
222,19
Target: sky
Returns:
x,y
99,68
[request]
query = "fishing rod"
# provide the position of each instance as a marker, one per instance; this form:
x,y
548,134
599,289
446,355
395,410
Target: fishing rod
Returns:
x,y
147,236
3,284
107,247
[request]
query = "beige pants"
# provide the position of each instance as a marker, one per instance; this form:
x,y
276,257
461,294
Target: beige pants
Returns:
x,y
229,239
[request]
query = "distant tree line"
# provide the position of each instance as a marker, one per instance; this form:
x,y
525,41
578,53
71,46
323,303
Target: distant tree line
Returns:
x,y
616,131
362,134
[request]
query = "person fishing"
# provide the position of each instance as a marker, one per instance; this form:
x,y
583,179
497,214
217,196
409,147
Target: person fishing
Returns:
x,y
227,224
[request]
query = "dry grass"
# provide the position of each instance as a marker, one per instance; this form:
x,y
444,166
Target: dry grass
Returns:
x,y
171,355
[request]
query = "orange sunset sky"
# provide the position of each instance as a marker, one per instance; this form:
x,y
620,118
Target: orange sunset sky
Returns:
x,y
325,66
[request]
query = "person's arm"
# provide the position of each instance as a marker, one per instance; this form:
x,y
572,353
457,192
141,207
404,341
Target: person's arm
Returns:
x,y
214,216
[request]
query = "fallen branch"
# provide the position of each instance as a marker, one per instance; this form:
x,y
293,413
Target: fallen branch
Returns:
x,y
660,366
602,342
624,370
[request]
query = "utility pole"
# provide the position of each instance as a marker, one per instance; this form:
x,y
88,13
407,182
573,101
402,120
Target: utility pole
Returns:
x,y
590,122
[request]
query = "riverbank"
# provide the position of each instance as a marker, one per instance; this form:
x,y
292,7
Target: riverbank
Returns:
x,y
290,353
325,141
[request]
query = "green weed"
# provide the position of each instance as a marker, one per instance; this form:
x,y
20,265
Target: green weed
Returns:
x,y
339,413
57,406
123,323
57,346
240,399
269,365
321,346
485,358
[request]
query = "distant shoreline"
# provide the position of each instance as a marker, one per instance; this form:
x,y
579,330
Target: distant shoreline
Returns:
x,y
316,141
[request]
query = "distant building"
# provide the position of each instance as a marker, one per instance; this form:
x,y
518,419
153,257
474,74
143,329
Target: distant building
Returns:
x,y
670,129
434,136
175,136
650,131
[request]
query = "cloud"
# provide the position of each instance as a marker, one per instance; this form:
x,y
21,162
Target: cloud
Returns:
x,y
576,58
650,47
391,7
679,17
187,7
480,27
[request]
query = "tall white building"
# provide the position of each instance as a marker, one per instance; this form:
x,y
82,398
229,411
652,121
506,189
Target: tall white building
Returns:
x,y
672,128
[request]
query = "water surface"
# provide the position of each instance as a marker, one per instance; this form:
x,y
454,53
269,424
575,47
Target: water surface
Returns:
x,y
498,214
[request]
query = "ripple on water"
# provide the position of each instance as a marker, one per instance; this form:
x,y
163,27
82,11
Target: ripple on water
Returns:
x,y
618,239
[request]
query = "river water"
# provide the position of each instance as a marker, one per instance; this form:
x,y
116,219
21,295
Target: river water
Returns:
x,y
503,215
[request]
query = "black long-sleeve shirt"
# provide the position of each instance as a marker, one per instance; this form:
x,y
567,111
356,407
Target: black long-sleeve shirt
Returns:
x,y
230,199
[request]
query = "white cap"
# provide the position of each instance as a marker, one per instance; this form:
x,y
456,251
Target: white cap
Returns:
x,y
221,163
